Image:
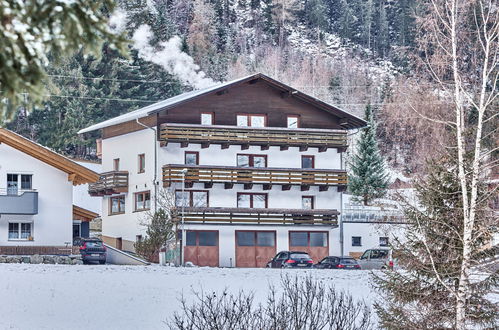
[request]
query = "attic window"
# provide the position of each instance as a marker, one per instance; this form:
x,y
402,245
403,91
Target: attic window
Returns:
x,y
293,121
207,118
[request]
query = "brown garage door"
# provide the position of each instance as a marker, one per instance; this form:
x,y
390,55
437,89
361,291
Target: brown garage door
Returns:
x,y
254,248
201,247
315,243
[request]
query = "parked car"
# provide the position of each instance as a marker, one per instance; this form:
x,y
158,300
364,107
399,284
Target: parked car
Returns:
x,y
92,250
376,259
291,259
337,263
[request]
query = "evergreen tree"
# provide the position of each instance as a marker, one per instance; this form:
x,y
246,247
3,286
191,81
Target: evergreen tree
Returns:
x,y
158,231
368,179
420,292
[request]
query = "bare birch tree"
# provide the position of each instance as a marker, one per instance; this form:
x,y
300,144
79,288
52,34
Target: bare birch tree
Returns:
x,y
460,45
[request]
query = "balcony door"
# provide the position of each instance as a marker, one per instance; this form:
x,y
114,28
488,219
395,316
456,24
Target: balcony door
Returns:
x,y
12,184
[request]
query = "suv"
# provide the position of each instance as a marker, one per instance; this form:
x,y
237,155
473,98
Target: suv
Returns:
x,y
376,259
291,259
92,249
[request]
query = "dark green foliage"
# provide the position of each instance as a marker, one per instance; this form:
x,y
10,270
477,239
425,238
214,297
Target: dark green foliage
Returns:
x,y
30,30
368,179
415,297
159,231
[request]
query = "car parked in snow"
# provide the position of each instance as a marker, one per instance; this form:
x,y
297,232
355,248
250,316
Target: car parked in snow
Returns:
x,y
376,259
92,250
291,259
337,263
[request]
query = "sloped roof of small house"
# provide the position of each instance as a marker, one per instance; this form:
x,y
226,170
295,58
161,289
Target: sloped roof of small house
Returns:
x,y
77,174
351,121
83,214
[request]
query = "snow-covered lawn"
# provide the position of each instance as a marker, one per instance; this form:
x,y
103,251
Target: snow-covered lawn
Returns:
x,y
131,297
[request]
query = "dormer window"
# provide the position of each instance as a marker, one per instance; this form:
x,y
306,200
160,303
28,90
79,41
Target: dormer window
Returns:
x,y
293,121
207,118
252,120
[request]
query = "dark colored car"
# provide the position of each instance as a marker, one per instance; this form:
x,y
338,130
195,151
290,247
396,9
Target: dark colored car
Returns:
x,y
92,250
337,263
291,259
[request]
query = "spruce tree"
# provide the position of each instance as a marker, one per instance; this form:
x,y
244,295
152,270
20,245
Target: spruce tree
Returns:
x,y
420,292
368,179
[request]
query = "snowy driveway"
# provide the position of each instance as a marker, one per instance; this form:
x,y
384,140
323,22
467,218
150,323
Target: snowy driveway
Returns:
x,y
130,297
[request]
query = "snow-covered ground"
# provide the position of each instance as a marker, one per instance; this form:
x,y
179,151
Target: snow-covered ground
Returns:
x,y
132,297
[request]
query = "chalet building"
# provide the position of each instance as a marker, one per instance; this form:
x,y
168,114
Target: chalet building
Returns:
x,y
37,215
255,167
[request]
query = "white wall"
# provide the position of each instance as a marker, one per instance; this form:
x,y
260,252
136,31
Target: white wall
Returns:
x,y
80,192
52,226
370,233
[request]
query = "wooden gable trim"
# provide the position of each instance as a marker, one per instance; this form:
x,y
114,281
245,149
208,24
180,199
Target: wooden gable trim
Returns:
x,y
79,213
77,174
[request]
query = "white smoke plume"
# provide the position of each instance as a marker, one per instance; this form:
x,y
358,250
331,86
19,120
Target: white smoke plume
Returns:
x,y
170,56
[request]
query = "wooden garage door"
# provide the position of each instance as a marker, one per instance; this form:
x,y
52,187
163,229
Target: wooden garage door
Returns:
x,y
201,247
254,248
315,243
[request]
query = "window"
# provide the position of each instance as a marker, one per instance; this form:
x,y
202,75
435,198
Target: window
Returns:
x,y
142,201
246,200
307,162
293,121
308,238
207,118
307,202
116,164
117,205
191,198
12,184
244,160
26,181
255,238
191,158
356,241
201,238
383,241
252,120
141,163
20,231
138,238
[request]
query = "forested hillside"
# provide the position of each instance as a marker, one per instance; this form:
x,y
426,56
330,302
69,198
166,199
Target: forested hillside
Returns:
x,y
348,53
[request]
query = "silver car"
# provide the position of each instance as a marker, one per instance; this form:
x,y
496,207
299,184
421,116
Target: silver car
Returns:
x,y
376,259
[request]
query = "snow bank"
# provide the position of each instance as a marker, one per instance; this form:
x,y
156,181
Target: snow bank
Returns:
x,y
131,297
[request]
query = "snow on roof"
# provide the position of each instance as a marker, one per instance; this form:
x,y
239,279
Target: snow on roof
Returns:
x,y
145,111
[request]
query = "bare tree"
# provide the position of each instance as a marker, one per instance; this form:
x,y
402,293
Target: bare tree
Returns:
x,y
460,47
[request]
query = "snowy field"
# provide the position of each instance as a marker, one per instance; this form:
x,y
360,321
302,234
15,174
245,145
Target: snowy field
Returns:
x,y
131,297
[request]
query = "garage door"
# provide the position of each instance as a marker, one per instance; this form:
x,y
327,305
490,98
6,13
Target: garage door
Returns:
x,y
254,248
315,243
201,247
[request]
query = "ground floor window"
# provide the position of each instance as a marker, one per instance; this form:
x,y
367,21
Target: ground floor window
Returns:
x,y
255,238
305,238
76,229
383,241
356,241
201,238
20,230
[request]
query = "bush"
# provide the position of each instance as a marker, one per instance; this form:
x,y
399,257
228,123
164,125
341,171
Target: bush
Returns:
x,y
303,304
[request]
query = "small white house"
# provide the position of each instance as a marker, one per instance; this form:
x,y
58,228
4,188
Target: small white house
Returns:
x,y
36,197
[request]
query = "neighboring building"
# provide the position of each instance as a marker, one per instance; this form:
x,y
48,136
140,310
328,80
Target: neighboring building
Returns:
x,y
36,197
263,171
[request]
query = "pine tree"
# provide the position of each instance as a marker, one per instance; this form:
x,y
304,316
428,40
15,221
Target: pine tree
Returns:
x,y
368,179
420,292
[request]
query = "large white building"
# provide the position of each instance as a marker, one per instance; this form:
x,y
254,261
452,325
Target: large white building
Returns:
x,y
37,214
255,167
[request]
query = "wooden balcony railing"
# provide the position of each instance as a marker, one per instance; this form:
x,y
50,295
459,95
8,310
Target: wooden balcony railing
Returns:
x,y
259,216
109,183
245,136
254,175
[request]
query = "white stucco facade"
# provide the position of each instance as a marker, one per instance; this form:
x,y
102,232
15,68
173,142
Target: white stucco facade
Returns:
x,y
52,225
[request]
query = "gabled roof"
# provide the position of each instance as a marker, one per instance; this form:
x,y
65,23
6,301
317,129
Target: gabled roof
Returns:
x,y
350,121
80,213
76,173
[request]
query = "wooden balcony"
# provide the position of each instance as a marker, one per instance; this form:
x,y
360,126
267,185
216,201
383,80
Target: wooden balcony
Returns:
x,y
259,216
268,176
246,136
110,183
